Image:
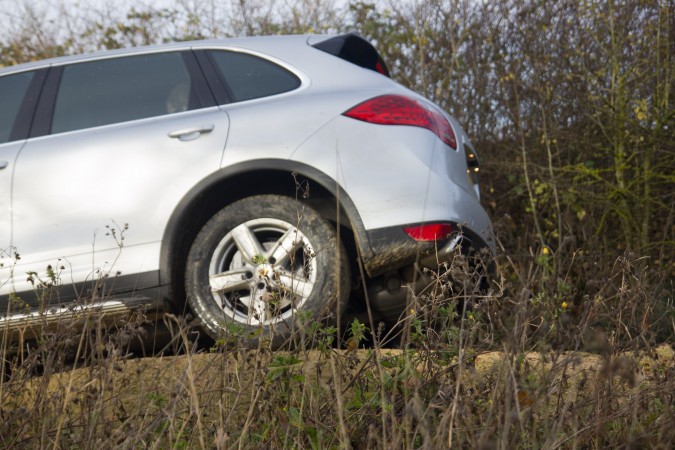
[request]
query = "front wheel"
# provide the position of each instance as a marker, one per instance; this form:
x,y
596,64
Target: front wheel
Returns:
x,y
267,264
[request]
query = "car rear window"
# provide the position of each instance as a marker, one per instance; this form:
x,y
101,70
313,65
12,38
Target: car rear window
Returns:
x,y
353,48
121,89
249,76
12,91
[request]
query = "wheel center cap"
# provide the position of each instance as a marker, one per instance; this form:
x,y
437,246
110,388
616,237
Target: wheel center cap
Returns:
x,y
263,271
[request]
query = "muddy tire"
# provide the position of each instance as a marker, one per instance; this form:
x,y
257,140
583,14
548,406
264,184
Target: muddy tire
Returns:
x,y
263,268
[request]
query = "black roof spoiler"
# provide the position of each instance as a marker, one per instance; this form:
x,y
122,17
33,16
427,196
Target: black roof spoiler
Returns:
x,y
355,49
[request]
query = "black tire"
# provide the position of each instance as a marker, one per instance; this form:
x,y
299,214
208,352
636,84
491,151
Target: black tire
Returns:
x,y
241,278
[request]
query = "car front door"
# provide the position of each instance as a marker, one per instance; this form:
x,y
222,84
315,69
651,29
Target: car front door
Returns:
x,y
18,92
8,152
92,192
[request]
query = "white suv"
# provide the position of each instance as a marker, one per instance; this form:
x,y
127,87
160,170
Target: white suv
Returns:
x,y
252,173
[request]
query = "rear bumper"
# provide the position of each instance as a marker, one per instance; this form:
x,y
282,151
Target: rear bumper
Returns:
x,y
393,249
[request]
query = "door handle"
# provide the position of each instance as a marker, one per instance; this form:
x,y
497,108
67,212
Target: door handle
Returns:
x,y
192,133
3,164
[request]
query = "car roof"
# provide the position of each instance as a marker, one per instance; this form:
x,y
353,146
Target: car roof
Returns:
x,y
264,44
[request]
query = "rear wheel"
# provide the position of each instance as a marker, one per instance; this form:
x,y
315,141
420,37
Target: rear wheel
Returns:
x,y
263,263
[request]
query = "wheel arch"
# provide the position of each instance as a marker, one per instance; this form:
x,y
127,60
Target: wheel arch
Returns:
x,y
269,176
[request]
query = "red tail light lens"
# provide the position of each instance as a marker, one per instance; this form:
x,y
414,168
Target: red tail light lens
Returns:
x,y
430,231
399,110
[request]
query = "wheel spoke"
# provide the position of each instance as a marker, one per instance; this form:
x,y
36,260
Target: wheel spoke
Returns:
x,y
285,301
258,309
299,287
246,301
232,280
283,248
247,243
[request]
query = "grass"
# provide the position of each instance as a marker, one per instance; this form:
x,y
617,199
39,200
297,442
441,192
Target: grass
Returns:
x,y
540,362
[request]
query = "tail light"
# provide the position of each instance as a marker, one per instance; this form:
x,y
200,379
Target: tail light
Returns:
x,y
430,232
400,110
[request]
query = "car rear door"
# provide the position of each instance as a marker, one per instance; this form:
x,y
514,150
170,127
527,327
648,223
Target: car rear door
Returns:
x,y
117,142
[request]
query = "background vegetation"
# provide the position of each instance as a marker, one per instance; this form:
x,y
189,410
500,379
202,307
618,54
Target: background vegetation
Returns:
x,y
570,105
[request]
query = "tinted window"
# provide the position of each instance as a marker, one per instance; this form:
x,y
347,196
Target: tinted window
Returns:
x,y
12,91
117,90
250,77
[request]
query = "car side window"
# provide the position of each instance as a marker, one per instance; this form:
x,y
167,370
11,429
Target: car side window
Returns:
x,y
249,76
12,92
116,90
